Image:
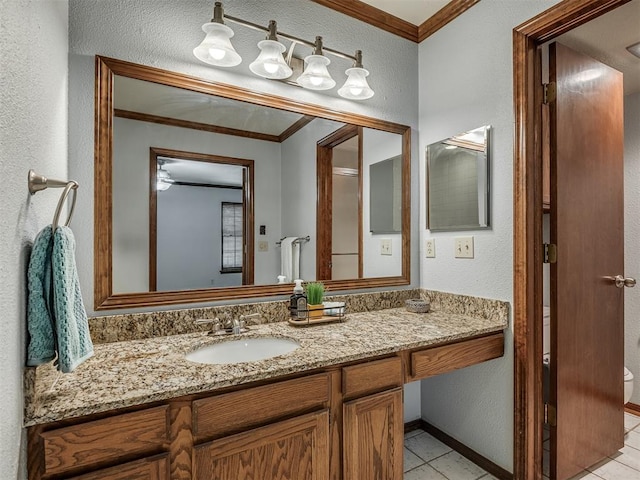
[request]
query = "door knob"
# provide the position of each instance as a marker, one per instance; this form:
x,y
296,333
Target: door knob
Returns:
x,y
620,281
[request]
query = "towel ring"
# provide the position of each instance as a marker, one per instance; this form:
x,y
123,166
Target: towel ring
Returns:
x,y
65,193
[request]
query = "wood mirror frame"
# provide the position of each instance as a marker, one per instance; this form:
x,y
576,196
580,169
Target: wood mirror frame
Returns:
x,y
104,297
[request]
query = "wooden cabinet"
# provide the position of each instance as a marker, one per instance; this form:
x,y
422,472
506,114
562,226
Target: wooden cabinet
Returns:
x,y
436,360
155,468
341,423
373,437
293,449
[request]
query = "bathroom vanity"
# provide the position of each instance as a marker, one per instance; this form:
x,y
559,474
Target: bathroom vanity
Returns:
x,y
333,408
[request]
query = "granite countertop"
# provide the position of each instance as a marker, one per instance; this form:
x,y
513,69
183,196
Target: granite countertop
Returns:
x,y
136,372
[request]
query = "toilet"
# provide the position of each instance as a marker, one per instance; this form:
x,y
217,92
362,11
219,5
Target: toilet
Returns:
x,y
546,343
628,385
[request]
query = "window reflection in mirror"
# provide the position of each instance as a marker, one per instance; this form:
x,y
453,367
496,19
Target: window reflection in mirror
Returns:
x,y
153,258
458,182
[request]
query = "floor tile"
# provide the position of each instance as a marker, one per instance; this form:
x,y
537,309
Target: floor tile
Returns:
x,y
426,447
616,471
425,472
630,421
455,466
411,460
488,476
586,476
413,433
628,456
632,439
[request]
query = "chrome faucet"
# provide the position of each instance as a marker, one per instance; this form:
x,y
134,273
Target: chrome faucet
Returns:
x,y
227,326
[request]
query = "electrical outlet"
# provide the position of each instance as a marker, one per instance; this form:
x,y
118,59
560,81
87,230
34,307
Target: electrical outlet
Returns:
x,y
263,246
464,247
385,247
430,248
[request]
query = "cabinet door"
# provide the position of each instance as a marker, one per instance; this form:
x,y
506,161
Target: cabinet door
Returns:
x,y
373,437
293,449
156,468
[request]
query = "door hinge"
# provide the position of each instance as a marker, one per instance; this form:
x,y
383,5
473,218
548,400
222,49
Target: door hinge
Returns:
x,y
550,415
550,253
549,92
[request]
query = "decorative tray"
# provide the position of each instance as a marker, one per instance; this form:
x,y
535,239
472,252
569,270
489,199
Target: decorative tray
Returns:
x,y
332,312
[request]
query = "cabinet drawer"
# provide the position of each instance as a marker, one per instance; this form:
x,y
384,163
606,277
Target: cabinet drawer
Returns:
x,y
371,377
434,361
235,411
155,468
105,440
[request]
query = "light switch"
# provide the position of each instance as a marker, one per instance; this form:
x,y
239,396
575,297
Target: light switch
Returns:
x,y
464,247
385,247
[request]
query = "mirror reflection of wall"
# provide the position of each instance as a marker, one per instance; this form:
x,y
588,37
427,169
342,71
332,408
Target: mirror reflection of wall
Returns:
x,y
458,181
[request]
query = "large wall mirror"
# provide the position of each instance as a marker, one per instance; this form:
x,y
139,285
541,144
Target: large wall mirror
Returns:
x,y
209,192
458,182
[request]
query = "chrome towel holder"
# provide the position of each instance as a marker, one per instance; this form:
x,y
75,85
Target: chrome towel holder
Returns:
x,y
40,182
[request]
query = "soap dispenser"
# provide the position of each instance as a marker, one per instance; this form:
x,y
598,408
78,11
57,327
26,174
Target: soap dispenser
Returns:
x,y
298,301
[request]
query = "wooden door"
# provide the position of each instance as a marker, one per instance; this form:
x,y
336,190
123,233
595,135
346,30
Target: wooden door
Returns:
x,y
587,343
374,437
289,450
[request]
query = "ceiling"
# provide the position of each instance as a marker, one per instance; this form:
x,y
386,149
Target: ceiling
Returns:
x,y
606,39
412,11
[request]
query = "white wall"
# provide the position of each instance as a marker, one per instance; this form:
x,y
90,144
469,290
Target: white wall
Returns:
x,y
163,34
632,237
376,147
465,82
299,189
189,254
33,134
132,140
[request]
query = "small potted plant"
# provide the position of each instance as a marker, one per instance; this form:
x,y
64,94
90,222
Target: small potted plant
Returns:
x,y
315,294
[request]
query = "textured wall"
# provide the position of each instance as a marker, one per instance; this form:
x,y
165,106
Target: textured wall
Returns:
x,y
33,134
163,34
632,237
465,82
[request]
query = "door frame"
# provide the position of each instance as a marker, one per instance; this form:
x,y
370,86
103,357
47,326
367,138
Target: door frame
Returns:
x,y
324,203
248,231
527,229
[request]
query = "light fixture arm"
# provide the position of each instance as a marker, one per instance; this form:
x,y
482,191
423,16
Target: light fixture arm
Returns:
x,y
218,13
358,59
291,38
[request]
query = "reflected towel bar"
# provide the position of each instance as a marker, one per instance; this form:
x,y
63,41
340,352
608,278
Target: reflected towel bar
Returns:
x,y
298,240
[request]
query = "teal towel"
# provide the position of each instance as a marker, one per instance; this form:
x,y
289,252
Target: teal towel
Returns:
x,y
72,328
56,317
41,348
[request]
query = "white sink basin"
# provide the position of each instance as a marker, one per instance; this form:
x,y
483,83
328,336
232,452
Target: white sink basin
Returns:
x,y
243,350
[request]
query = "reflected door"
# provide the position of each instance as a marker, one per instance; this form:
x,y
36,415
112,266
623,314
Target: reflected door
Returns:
x,y
587,337
339,216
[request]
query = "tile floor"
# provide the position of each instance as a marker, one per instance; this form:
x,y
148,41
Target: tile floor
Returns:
x,y
426,458
624,465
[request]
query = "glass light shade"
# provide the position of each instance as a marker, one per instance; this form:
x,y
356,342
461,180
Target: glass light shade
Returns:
x,y
316,76
270,63
163,180
216,48
356,86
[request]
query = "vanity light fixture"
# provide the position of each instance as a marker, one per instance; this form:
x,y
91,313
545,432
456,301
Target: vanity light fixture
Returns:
x,y
356,86
315,75
216,50
270,63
